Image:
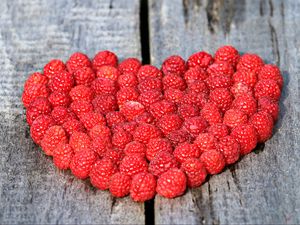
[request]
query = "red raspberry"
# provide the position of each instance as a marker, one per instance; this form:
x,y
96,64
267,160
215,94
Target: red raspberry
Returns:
x,y
144,132
54,136
220,69
234,117
174,65
171,183
195,125
99,131
202,59
121,138
126,94
162,162
211,113
104,86
222,98
173,95
34,91
127,80
60,114
150,83
228,54
250,62
169,123
114,118
147,71
239,89
195,172
143,187
267,88
144,118
213,161
79,141
206,142
246,135
185,151
62,82
91,119
162,108
133,164
150,97
59,99
35,78
195,74
135,148
37,107
131,109
101,173
263,123
246,77
157,145
54,67
245,103
173,81
271,72
78,60
186,111
62,156
82,163
130,65
73,125
219,130
101,145
270,106
129,126
104,58
39,126
221,81
109,72
192,98
119,185
84,76
230,149
198,87
80,107
105,103
178,136
81,92
116,155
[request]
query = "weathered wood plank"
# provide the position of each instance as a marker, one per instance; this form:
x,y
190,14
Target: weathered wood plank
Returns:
x,y
262,188
32,191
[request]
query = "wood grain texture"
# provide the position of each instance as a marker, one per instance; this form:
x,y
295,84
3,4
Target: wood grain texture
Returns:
x,y
32,191
262,188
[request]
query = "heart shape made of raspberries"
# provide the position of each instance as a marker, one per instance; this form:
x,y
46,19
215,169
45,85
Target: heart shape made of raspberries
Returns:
x,y
139,130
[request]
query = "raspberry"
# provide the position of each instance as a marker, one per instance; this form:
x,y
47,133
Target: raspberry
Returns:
x,y
195,125
186,111
144,118
198,87
246,135
220,69
81,92
39,126
270,106
174,65
79,141
133,164
116,155
59,99
211,113
250,62
169,123
130,65
185,151
230,149
271,72
239,89
73,125
234,117
178,136
162,162
135,148
82,163
245,103
84,76
91,119
101,145
263,123
219,130
121,138
246,77
105,103
213,161
104,86
228,54
171,183
77,61
206,142
131,109
99,131
32,92
222,98
104,58
54,67
37,107
101,173
119,185
173,95
127,80
62,156
144,132
62,82
150,83
193,98
114,118
150,97
109,72
60,114
35,78
80,107
173,81
195,74
157,145
221,81
127,94
162,108
143,187
267,88
129,126
147,71
195,172
201,59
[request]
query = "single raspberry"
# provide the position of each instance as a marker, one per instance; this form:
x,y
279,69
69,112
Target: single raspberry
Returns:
x,y
130,65
246,77
162,162
228,54
119,185
206,142
60,115
105,103
79,141
250,62
178,136
186,111
173,95
101,145
99,131
169,123
84,76
135,148
220,69
246,135
80,107
114,118
104,58
143,187
133,164
144,132
131,109
271,72
81,92
126,94
157,145
162,108
150,97
150,83
195,74
34,91
234,117
219,130
193,98
104,86
91,119
171,183
174,65
101,173
213,161
263,123
202,59
82,163
185,151
109,72
62,156
230,149
195,172
221,81
39,127
62,82
59,99
246,103
54,67
195,125
127,80
116,155
144,118
211,113
78,60
198,87
147,71
121,138
35,78
239,89
222,98
73,125
37,107
270,106
267,88
173,81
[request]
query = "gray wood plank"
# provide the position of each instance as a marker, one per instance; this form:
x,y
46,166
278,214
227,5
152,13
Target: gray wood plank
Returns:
x,y
262,188
32,32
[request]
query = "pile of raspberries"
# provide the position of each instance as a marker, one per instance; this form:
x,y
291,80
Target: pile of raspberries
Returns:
x,y
138,130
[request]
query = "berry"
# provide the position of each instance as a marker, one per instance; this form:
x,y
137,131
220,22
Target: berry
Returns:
x,y
104,86
246,103
126,94
80,107
270,106
130,65
174,65
219,130
62,156
193,98
143,187
150,83
119,185
271,72
211,113
173,95
132,109
114,118
162,162
250,62
81,92
79,141
32,92
246,77
62,82
157,145
206,142
195,172
105,103
101,145
186,151
186,111
99,131
121,138
267,88
104,58
230,149
84,76
234,117
263,123
178,136
82,163
169,123
77,61
91,119
60,115
39,126
195,74
195,125
54,67
135,148
144,118
109,72
198,87
222,98
73,125
133,164
239,89
150,97
228,54
213,161
35,78
59,99
221,81
147,71
116,155
127,80
201,59
162,108
144,132
220,69
173,81
37,107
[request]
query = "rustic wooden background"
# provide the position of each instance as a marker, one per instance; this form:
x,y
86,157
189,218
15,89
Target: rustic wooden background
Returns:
x,y
263,188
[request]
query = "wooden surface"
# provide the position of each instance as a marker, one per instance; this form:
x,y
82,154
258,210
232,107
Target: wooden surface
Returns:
x,y
262,188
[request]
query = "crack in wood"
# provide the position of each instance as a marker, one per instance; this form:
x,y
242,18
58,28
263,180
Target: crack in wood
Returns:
x,y
274,40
